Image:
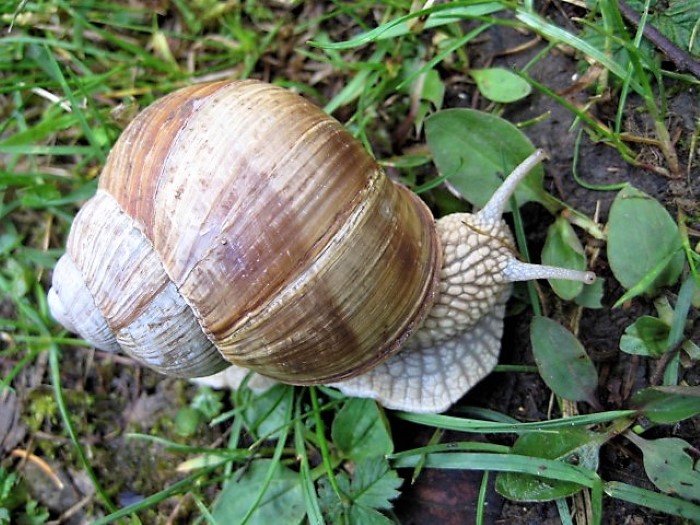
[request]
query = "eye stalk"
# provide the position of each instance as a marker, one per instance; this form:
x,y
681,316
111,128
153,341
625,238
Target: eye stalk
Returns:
x,y
493,211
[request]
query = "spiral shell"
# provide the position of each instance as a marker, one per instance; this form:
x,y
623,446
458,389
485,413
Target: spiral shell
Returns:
x,y
236,222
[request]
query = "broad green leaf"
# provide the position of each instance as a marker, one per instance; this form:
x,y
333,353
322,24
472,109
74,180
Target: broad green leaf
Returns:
x,y
641,237
9,238
670,467
563,249
575,445
208,402
283,501
475,150
646,336
360,430
500,85
374,484
668,404
432,97
562,361
265,413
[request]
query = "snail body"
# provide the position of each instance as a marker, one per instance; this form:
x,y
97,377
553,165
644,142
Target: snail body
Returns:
x,y
237,223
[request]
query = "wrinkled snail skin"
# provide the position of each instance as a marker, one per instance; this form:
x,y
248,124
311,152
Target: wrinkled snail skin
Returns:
x,y
237,223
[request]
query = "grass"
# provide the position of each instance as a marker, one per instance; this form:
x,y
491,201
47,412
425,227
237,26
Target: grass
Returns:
x,y
72,75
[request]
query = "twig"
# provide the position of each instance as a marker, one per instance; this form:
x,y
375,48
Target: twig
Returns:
x,y
74,509
664,361
682,60
43,465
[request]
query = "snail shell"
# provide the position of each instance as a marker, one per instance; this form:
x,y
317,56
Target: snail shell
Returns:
x,y
236,219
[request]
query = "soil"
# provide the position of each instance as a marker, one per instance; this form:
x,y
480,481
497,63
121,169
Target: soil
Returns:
x,y
123,397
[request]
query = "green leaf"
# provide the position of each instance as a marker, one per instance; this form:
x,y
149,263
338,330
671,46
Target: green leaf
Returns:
x,y
363,515
693,350
372,488
432,96
7,482
500,85
266,413
668,404
9,239
592,295
563,249
33,514
641,237
677,20
439,15
575,445
541,467
653,500
433,89
669,467
562,361
425,85
187,420
476,150
360,430
647,336
208,402
331,505
463,424
283,501
374,484
21,277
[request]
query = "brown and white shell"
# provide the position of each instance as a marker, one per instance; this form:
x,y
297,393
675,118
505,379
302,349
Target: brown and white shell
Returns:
x,y
235,221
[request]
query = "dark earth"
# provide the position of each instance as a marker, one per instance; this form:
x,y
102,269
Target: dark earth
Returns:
x,y
112,394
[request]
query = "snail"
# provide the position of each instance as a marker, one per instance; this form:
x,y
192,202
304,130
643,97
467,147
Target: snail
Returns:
x,y
236,222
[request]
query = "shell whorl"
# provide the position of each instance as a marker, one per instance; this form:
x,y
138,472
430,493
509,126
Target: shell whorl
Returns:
x,y
258,214
127,287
